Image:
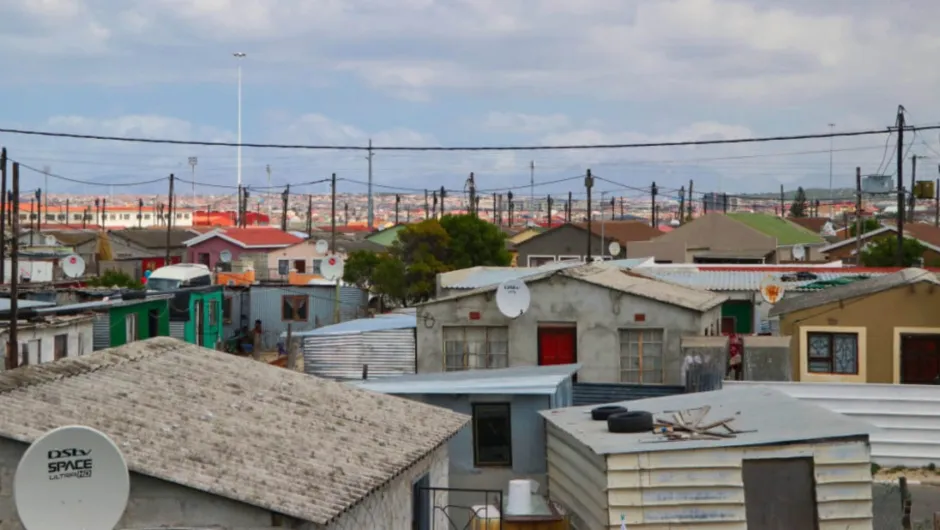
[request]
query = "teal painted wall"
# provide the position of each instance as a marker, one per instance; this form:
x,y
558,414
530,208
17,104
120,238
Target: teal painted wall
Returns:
x,y
118,320
211,303
743,313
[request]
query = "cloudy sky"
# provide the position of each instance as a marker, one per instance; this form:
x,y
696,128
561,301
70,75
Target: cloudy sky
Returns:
x,y
469,72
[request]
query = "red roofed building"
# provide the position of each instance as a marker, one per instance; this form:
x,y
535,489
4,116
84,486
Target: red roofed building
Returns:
x,y
226,244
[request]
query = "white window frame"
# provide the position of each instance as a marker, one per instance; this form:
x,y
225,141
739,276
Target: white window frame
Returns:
x,y
471,358
570,258
530,257
622,356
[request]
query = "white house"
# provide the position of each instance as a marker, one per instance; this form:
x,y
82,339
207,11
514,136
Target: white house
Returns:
x,y
52,339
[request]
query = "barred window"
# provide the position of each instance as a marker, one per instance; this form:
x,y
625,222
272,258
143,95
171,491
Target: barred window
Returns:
x,y
833,353
478,347
641,356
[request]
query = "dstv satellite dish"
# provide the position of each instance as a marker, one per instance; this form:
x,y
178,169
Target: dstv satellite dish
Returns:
x,y
513,298
72,477
614,248
332,267
799,253
322,247
73,266
225,256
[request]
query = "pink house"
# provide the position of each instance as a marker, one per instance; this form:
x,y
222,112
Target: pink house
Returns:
x,y
227,244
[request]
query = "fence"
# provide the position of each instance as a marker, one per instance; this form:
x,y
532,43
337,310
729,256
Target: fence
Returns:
x,y
907,417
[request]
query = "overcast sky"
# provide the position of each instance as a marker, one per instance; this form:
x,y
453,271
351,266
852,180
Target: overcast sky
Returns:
x,y
470,72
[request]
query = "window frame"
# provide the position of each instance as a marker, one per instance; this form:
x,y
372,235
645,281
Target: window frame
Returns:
x,y
227,310
57,340
474,418
488,355
294,318
285,270
131,328
624,333
831,335
540,259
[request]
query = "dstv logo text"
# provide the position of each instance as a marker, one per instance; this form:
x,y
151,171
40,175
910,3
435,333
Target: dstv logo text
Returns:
x,y
69,463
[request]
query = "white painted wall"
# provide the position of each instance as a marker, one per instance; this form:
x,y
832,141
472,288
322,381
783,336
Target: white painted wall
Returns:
x,y
40,340
38,271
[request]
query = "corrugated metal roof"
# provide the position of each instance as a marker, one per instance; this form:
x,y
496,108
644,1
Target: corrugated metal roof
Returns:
x,y
477,277
854,290
530,380
362,325
775,418
601,393
743,280
23,304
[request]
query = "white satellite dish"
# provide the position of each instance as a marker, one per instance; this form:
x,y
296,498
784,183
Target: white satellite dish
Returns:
x,y
332,267
799,253
73,266
513,298
71,477
614,248
225,256
322,247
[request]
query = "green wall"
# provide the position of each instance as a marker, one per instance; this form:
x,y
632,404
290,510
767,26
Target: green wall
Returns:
x,y
743,313
212,331
118,316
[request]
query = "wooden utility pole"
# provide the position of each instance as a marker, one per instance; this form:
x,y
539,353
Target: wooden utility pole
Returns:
x,y
568,220
3,211
691,184
345,214
548,202
509,208
309,215
443,196
899,258
13,351
858,216
336,313
654,191
783,203
912,201
588,185
289,346
434,206
471,208
169,221
936,203
681,204
397,205
285,199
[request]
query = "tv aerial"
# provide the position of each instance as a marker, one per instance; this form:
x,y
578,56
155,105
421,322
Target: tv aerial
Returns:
x,y
322,247
73,266
71,478
332,267
799,253
513,298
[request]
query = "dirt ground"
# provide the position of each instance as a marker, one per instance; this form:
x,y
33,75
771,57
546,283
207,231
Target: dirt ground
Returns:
x,y
925,475
270,356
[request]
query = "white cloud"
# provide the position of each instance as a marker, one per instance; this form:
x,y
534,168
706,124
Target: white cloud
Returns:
x,y
517,122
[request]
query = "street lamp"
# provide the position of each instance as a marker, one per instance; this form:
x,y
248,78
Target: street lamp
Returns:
x,y
831,125
238,57
192,164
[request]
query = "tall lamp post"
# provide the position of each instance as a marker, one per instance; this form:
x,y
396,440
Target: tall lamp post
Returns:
x,y
831,125
193,160
238,57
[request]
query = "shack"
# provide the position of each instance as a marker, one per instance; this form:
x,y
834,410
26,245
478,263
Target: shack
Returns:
x,y
795,463
368,348
196,315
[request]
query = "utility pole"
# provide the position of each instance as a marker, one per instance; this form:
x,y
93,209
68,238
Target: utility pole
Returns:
x,y
654,191
245,195
858,216
285,198
13,353
238,209
434,208
691,201
900,161
681,204
476,207
345,214
104,213
613,206
471,208
45,188
936,205
783,212
443,196
621,209
912,202
3,212
333,243
169,219
39,210
531,186
588,185
427,207
140,213
548,201
66,211
724,203
495,221
602,250
192,164
510,207
309,215
568,219
371,204
397,203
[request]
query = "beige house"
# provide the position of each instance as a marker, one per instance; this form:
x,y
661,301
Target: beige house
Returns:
x,y
304,259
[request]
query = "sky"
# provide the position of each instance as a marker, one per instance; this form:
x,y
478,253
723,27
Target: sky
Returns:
x,y
427,73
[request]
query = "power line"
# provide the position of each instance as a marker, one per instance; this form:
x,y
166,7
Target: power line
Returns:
x,y
843,134
89,183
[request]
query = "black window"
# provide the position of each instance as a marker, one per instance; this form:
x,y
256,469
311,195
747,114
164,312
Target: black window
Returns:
x,y
833,353
492,435
294,308
227,310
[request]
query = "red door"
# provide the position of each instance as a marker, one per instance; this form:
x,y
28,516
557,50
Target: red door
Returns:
x,y
920,359
557,345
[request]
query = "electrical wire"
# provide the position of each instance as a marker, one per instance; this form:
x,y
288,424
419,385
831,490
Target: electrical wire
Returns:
x,y
85,182
685,143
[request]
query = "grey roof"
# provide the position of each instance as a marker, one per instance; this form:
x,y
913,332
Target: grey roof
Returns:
x,y
362,325
775,418
281,440
151,238
615,278
23,304
95,305
854,290
601,393
532,380
735,279
476,277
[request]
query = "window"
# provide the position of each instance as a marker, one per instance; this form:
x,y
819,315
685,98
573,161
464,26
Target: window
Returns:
x,y
203,258
300,265
81,343
30,351
492,434
421,503
283,267
537,261
832,353
130,327
61,347
294,308
316,266
476,347
641,356
227,310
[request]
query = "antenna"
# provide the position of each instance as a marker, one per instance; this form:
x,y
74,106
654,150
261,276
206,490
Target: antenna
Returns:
x,y
225,256
73,266
322,247
799,253
614,248
772,290
332,267
513,298
71,477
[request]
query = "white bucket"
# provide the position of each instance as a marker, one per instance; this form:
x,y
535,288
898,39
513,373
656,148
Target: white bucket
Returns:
x,y
520,497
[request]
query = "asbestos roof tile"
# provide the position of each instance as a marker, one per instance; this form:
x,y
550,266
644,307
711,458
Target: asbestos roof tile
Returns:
x,y
748,280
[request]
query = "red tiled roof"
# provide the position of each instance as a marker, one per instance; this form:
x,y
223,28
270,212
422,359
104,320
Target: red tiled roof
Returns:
x,y
346,229
261,237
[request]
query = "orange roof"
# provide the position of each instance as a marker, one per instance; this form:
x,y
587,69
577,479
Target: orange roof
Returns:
x,y
260,237
77,208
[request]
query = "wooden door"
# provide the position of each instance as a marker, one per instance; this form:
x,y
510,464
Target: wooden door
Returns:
x,y
780,494
920,359
557,345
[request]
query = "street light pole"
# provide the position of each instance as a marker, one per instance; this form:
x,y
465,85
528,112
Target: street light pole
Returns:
x,y
239,56
192,163
831,125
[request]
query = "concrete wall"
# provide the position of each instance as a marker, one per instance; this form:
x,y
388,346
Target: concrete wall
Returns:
x,y
564,241
79,333
598,313
767,359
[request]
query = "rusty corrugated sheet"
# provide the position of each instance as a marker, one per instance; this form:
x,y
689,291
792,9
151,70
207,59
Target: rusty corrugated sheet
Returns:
x,y
387,353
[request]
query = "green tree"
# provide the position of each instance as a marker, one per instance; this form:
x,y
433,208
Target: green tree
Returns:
x,y
799,205
883,253
474,242
114,278
388,278
360,268
868,225
423,249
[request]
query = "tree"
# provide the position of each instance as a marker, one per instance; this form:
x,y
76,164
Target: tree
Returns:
x,y
868,225
423,250
360,268
883,253
114,278
799,205
474,242
389,280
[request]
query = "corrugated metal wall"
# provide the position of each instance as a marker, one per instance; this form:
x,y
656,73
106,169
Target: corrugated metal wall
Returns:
x,y
266,302
600,393
101,332
577,479
178,330
353,303
387,353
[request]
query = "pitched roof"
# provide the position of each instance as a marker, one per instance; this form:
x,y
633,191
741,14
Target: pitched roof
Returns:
x,y
262,435
258,238
72,238
786,232
623,231
813,224
927,234
153,238
738,279
852,290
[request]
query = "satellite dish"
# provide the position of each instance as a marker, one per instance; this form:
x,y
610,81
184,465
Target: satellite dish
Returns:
x,y
71,477
332,267
73,266
799,253
513,298
614,248
772,290
322,247
225,256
